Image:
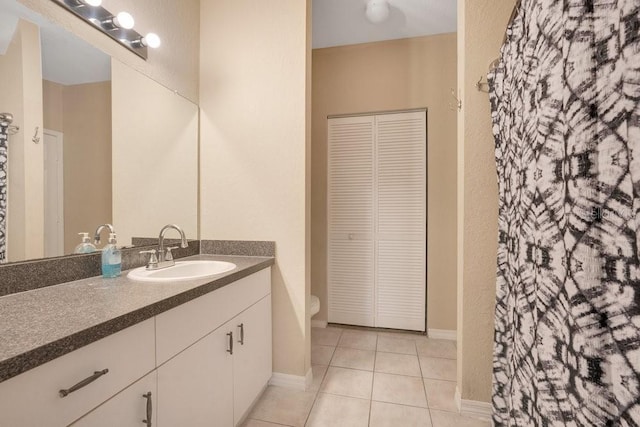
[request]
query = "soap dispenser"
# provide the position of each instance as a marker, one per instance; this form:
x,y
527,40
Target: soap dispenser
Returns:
x,y
86,247
111,258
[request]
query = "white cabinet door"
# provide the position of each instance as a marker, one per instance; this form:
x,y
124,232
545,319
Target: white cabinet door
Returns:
x,y
195,388
351,220
252,365
129,408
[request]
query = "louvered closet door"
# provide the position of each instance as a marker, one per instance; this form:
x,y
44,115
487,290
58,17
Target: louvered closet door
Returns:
x,y
401,158
351,221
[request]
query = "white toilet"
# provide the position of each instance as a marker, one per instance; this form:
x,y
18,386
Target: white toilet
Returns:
x,y
314,307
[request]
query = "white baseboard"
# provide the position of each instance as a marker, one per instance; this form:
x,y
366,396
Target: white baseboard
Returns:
x,y
473,408
318,323
442,334
294,382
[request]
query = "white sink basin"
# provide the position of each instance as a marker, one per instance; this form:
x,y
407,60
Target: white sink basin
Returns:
x,y
183,270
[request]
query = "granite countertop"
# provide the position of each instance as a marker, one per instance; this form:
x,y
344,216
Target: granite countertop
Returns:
x,y
42,324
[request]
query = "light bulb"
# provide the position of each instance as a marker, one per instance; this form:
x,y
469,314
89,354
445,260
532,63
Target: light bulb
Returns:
x,y
124,20
94,3
152,40
377,11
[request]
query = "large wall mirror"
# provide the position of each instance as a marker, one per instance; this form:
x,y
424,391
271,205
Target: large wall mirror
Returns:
x,y
92,142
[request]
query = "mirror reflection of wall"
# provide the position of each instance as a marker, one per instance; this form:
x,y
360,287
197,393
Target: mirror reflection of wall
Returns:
x,y
77,140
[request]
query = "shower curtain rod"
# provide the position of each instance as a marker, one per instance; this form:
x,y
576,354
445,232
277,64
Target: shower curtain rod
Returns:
x,y
484,86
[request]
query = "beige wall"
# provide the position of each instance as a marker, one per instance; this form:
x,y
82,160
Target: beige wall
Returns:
x,y
87,159
155,157
481,26
174,64
398,74
254,137
53,105
21,88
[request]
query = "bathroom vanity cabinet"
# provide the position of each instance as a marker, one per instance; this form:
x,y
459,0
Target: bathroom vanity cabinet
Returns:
x,y
204,362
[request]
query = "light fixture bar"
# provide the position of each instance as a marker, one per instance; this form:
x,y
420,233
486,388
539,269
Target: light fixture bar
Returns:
x,y
102,19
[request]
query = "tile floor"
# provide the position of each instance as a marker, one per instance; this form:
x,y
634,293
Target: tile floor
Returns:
x,y
366,378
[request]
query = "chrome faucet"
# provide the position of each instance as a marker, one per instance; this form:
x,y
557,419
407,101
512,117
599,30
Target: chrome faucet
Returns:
x,y
96,235
164,258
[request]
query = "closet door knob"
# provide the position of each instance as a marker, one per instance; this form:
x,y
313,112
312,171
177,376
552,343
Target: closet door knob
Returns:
x,y
351,236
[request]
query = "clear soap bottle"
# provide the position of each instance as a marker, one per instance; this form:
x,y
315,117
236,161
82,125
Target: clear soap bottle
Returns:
x,y
111,258
86,247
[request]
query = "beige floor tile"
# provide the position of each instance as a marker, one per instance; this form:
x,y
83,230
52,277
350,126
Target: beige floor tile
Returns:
x,y
339,411
399,389
325,336
283,406
353,358
258,423
401,335
318,376
441,394
396,345
348,382
321,354
436,348
392,415
400,364
450,419
438,369
362,340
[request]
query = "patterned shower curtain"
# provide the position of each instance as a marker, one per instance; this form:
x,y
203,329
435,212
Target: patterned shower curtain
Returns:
x,y
566,120
4,131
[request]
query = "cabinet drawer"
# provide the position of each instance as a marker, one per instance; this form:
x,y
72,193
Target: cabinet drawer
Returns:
x,y
33,398
181,326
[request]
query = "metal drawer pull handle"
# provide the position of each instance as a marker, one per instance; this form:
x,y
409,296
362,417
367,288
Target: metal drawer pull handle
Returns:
x,y
230,349
149,409
241,326
84,382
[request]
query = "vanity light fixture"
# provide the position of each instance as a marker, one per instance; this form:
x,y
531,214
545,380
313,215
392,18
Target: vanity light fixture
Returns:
x,y
94,3
377,11
83,3
121,20
151,40
119,27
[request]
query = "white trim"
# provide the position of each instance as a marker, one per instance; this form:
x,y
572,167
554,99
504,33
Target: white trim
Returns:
x,y
473,408
294,382
318,323
442,334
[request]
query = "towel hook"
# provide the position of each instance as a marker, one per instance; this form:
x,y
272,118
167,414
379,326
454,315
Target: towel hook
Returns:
x,y
36,138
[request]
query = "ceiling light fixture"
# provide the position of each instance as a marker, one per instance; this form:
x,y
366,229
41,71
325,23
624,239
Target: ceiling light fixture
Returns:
x,y
377,11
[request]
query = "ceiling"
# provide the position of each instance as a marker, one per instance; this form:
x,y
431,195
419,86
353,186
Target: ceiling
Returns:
x,y
69,60
343,22
66,59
